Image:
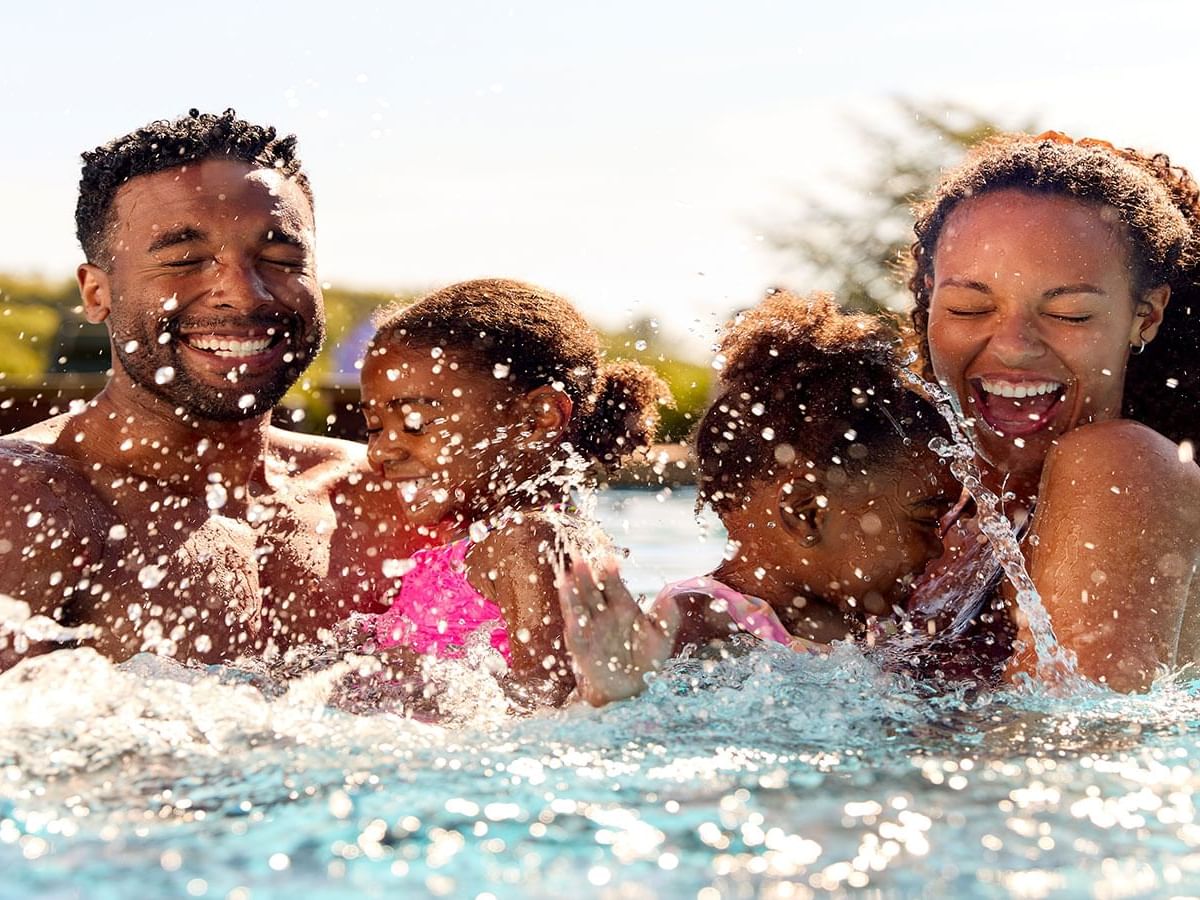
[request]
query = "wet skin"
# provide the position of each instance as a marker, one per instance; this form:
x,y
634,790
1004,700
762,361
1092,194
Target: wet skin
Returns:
x,y
457,446
168,511
1034,294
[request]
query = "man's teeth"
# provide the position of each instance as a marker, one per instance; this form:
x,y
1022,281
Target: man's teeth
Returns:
x,y
1024,389
230,347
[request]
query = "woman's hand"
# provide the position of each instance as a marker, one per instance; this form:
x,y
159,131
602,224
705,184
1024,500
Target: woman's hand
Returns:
x,y
612,642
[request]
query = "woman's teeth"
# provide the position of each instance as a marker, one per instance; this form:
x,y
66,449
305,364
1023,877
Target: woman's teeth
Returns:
x,y
230,347
1018,391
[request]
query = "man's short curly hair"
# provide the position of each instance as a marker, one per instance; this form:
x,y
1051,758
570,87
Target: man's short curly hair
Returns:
x,y
1157,207
163,145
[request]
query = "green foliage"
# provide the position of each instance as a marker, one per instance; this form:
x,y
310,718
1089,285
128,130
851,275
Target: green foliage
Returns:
x,y
858,249
30,313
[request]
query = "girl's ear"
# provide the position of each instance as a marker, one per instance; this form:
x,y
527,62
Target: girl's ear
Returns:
x,y
95,291
1149,316
549,409
801,507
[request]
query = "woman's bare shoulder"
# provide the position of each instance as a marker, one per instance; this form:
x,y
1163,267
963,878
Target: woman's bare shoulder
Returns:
x,y
1127,465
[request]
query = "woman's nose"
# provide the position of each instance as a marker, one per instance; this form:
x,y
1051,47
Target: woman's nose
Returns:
x,y
383,446
1016,341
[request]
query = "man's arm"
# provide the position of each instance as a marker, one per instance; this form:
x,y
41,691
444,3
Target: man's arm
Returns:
x,y
50,536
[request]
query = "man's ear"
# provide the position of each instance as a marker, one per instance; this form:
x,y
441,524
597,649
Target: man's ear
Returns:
x,y
801,508
1150,310
550,410
96,291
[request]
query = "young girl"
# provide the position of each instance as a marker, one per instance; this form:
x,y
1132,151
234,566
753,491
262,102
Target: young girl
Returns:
x,y
482,401
816,460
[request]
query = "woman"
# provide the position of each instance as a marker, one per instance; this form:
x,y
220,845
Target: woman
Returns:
x,y
1055,299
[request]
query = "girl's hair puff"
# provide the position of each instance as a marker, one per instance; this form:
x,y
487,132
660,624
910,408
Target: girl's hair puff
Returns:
x,y
1155,205
532,337
803,382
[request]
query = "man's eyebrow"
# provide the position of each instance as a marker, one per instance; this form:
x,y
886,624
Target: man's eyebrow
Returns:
x,y
176,236
1081,288
285,236
969,283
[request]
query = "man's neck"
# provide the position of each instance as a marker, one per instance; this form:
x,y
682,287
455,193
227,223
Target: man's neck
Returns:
x,y
127,427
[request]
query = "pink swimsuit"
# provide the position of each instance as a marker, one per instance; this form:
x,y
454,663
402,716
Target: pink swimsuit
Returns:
x,y
436,607
749,614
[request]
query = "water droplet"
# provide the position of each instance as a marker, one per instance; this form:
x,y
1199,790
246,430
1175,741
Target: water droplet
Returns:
x,y
150,576
118,532
246,401
164,338
215,496
758,409
393,374
719,361
413,421
478,531
298,415
397,568
639,345
126,445
165,375
203,643
33,520
500,370
768,434
169,303
131,346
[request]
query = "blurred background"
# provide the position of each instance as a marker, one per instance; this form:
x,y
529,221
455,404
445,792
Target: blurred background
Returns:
x,y
661,164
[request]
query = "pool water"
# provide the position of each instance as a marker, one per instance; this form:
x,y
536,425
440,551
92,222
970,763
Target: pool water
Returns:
x,y
767,774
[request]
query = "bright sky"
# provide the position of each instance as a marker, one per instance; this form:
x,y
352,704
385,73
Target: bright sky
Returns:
x,y
620,153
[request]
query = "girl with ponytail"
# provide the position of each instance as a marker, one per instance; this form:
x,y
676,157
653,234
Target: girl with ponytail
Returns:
x,y
485,402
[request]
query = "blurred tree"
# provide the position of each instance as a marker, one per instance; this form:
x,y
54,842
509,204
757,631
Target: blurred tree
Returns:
x,y
857,248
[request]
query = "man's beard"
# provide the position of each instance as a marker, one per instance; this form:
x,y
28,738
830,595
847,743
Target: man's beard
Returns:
x,y
162,370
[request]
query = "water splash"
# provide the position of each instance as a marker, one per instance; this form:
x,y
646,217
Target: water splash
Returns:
x,y
1055,664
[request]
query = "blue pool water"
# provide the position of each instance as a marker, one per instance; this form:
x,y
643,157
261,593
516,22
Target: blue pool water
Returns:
x,y
769,774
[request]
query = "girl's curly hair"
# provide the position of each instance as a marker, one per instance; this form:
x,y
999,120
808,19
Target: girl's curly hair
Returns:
x,y
802,380
1157,207
536,337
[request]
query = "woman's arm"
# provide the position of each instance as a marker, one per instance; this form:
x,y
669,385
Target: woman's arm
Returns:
x,y
1112,550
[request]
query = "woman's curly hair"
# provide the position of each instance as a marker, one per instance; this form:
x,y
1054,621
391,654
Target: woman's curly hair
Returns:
x,y
535,337
804,381
1157,207
164,144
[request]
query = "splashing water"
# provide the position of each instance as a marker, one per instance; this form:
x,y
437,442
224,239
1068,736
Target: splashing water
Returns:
x,y
1055,664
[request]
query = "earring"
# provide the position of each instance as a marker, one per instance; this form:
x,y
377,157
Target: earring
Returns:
x,y
811,540
1140,348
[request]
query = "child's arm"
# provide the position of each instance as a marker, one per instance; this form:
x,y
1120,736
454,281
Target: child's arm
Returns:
x,y
613,643
514,567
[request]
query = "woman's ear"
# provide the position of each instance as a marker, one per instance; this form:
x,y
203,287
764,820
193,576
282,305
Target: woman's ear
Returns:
x,y
95,291
550,410
801,507
1150,310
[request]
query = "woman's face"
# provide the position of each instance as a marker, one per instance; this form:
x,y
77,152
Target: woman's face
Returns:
x,y
1031,320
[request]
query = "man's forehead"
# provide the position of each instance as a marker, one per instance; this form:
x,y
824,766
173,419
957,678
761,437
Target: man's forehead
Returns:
x,y
212,188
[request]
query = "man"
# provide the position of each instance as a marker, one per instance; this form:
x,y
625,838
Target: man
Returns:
x,y
168,512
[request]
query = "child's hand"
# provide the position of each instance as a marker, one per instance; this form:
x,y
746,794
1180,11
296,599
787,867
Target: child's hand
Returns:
x,y
612,642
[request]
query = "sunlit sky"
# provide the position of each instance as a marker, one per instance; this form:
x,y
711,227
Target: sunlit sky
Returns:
x,y
624,154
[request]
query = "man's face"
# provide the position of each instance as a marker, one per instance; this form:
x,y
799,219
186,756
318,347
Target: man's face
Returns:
x,y
215,306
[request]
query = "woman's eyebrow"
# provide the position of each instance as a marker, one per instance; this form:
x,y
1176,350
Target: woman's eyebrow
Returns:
x,y
1081,288
969,283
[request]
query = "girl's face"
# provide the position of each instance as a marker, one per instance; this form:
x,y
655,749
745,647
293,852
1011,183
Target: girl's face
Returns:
x,y
440,432
1031,320
879,527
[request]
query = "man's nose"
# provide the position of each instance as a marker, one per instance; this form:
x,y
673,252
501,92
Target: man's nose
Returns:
x,y
240,286
1016,340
